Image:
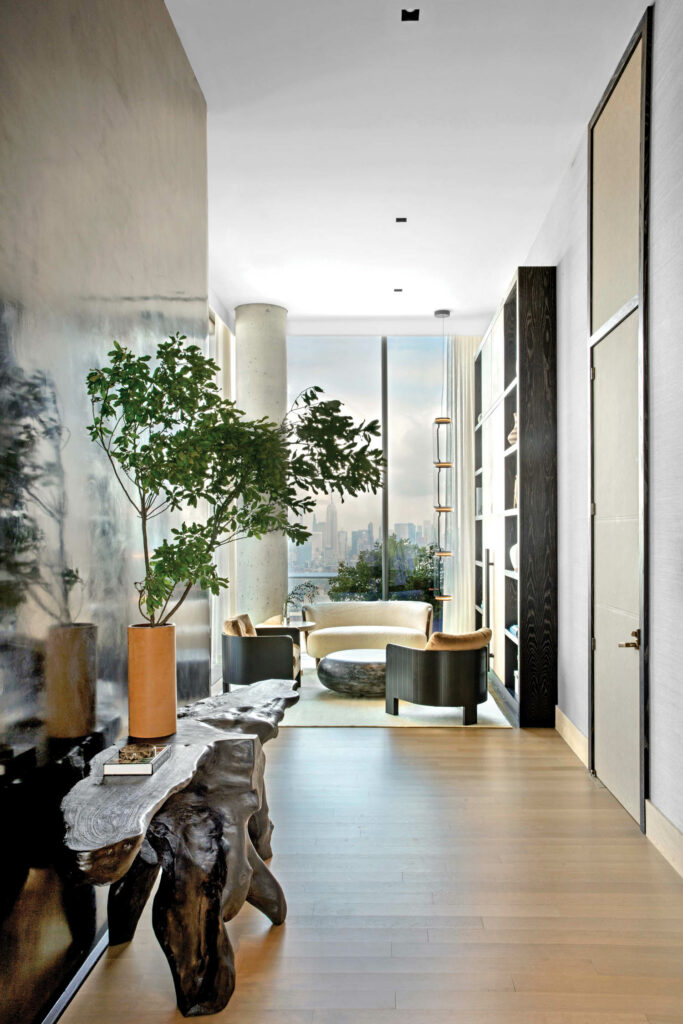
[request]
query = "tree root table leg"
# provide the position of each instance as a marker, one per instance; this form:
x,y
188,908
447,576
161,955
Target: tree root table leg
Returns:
x,y
261,827
200,839
202,821
128,896
265,892
187,914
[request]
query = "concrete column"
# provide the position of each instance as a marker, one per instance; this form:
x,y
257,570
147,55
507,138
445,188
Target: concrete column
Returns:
x,y
261,390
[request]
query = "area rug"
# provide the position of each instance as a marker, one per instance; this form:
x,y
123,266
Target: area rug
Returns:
x,y
318,706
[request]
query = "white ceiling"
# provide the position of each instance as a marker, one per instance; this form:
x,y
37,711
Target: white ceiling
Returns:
x,y
327,120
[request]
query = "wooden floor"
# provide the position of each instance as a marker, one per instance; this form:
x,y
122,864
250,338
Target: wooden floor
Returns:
x,y
436,876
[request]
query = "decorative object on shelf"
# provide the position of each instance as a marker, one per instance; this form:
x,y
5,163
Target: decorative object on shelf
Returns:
x,y
477,501
176,445
515,493
514,557
512,436
443,474
513,629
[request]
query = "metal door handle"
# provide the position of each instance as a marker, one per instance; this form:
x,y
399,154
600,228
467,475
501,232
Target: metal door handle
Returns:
x,y
633,643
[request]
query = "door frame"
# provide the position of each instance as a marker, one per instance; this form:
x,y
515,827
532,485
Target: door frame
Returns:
x,y
637,302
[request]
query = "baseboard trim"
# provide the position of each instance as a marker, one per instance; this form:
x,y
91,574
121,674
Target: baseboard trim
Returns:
x,y
572,736
664,835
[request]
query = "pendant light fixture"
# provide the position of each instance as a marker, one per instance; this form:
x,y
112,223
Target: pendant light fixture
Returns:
x,y
443,474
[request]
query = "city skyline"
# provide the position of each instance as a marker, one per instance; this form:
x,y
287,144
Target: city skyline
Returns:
x,y
349,369
329,544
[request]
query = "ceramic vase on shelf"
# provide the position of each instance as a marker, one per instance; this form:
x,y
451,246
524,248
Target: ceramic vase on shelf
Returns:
x,y
512,436
151,682
70,680
514,557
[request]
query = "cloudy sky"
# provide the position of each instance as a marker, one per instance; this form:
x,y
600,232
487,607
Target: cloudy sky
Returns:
x,y
349,369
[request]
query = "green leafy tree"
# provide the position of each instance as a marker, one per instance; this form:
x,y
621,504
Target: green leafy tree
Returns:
x,y
411,569
174,442
364,579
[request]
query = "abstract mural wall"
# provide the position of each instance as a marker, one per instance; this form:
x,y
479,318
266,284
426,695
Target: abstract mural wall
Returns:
x,y
103,235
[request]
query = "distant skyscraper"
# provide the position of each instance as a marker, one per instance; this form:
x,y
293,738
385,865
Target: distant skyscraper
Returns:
x,y
331,529
371,535
405,531
343,545
316,542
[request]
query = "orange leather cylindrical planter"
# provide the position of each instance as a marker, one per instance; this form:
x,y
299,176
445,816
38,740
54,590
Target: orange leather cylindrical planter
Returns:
x,y
151,682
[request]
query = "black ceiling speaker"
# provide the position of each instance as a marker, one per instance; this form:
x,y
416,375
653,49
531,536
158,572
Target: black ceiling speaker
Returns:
x,y
413,15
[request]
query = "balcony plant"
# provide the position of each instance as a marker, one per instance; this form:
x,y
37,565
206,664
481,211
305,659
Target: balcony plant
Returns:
x,y
175,445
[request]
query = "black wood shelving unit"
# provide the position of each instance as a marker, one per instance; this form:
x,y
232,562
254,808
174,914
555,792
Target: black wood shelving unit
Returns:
x,y
526,471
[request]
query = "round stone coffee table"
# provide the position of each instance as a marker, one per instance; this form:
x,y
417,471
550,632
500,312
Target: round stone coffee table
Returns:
x,y
356,673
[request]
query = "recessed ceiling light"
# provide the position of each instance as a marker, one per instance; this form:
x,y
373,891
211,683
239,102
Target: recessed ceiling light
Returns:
x,y
411,15
401,220
398,289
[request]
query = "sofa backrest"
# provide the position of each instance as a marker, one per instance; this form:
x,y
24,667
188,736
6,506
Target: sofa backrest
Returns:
x,y
408,614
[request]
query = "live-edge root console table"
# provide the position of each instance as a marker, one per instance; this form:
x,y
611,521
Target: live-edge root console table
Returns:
x,y
202,820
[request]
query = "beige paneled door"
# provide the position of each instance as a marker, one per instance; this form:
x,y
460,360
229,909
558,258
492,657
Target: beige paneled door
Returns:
x,y
618,145
616,564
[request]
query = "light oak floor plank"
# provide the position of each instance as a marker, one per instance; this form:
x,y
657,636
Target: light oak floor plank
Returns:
x,y
436,877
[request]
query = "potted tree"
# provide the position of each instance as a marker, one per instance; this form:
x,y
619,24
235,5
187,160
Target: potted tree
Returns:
x,y
177,446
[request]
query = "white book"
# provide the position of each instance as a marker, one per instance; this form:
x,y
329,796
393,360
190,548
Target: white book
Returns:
x,y
137,759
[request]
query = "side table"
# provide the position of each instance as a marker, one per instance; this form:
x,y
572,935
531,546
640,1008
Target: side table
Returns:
x,y
202,820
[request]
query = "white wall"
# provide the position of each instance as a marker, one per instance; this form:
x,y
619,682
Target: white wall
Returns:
x,y
666,415
562,240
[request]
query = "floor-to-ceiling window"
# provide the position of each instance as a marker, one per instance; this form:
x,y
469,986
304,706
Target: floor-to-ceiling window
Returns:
x,y
414,382
342,556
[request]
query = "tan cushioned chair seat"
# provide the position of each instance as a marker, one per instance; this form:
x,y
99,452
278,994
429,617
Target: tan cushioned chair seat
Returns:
x,y
462,642
239,625
345,638
407,614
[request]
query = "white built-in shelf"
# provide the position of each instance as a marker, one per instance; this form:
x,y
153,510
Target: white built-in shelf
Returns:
x,y
511,574
511,511
512,450
511,387
511,636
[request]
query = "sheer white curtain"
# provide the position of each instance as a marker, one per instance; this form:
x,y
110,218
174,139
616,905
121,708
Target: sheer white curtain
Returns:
x,y
459,613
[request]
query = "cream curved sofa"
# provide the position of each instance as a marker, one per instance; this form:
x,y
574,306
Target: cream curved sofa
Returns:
x,y
345,625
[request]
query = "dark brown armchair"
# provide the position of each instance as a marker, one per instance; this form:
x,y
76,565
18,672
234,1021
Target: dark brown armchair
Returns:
x,y
251,654
452,671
